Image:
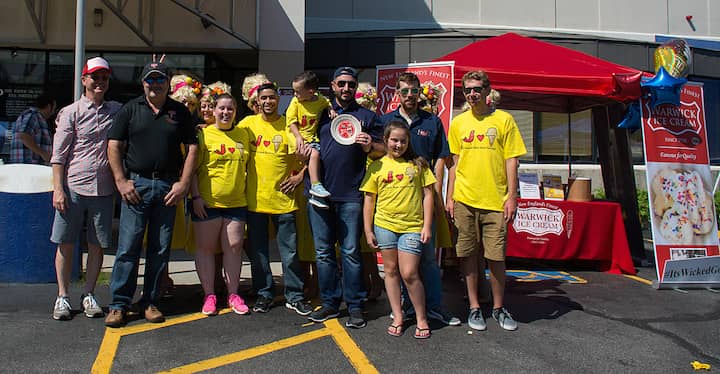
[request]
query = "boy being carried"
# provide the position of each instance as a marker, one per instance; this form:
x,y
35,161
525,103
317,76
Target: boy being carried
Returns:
x,y
302,116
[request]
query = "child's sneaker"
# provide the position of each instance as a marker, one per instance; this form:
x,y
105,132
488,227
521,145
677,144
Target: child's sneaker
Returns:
x,y
317,189
238,304
210,305
318,203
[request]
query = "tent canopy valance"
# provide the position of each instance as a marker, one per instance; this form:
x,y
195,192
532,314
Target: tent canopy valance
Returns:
x,y
538,76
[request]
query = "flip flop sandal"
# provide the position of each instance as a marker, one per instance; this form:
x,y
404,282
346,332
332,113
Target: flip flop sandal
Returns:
x,y
422,333
395,330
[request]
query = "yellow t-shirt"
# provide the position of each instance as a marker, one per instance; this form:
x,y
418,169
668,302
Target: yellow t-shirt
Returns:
x,y
399,190
268,166
306,114
483,143
222,162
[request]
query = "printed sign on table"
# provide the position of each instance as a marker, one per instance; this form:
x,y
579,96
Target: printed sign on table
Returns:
x,y
436,80
539,218
682,208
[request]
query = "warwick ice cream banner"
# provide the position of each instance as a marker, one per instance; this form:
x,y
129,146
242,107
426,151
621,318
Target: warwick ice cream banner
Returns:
x,y
436,92
683,216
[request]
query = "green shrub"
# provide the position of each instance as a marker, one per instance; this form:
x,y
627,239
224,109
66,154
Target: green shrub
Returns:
x,y
599,194
643,208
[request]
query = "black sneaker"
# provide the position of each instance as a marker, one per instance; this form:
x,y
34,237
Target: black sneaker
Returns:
x,y
322,314
300,307
356,320
262,304
443,316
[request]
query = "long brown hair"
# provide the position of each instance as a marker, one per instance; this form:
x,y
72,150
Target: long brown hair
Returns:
x,y
409,154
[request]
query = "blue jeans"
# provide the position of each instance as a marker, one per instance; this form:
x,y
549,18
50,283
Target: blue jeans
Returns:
x,y
257,251
340,223
430,274
159,219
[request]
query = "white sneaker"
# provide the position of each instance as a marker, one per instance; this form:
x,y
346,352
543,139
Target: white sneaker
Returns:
x,y
504,319
91,308
318,203
476,320
61,310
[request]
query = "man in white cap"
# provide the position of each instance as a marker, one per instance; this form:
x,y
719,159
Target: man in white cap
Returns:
x,y
144,149
83,185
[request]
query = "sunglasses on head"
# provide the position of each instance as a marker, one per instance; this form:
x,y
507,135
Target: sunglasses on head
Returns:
x,y
476,89
406,91
158,79
350,84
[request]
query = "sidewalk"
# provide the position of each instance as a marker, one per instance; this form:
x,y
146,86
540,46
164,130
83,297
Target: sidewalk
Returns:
x,y
182,266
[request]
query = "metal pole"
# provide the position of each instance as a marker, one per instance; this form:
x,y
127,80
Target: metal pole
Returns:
x,y
79,46
569,121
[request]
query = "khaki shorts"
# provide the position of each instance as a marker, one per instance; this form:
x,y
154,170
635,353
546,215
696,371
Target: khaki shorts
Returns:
x,y
476,225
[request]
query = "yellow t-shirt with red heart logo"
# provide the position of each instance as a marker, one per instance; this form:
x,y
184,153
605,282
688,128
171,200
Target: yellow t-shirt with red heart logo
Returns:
x,y
222,162
269,165
483,143
398,185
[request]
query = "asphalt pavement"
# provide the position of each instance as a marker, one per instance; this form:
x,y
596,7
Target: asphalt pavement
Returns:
x,y
587,321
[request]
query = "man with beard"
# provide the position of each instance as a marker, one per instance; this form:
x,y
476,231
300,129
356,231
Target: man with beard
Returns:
x,y
343,169
271,183
482,193
83,184
427,140
144,149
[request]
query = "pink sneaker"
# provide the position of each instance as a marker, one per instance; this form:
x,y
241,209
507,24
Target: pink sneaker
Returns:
x,y
238,304
210,305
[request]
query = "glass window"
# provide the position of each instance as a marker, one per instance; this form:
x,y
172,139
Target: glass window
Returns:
x,y
636,147
555,135
711,93
126,67
524,120
193,64
22,75
61,71
22,67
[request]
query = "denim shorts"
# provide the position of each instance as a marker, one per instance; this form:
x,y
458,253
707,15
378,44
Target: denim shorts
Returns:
x,y
96,211
233,214
315,146
406,242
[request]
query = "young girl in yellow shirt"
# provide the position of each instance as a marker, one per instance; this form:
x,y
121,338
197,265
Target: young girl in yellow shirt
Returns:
x,y
397,212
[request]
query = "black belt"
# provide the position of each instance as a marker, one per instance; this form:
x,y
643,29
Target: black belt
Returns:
x,y
155,175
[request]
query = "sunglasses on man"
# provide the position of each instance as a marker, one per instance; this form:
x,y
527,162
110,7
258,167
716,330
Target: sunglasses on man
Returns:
x,y
476,89
350,84
406,91
158,80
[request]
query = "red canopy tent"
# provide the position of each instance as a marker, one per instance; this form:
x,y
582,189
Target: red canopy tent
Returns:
x,y
538,76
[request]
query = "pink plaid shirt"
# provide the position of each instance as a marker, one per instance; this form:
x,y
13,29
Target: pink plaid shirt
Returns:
x,y
80,144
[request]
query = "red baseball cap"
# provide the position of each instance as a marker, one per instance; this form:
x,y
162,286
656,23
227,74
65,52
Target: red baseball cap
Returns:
x,y
94,64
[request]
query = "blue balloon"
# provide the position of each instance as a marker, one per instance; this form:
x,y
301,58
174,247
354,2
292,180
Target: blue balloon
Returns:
x,y
663,88
631,121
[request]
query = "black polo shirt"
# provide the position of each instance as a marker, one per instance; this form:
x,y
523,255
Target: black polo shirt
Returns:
x,y
153,140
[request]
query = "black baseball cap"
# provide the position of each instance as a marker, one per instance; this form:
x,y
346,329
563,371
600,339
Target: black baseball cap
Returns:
x,y
345,70
155,67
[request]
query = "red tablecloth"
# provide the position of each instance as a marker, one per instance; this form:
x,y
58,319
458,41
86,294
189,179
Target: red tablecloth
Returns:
x,y
568,230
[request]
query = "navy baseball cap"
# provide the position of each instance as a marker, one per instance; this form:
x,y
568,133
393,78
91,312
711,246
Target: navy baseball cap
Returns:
x,y
345,70
155,67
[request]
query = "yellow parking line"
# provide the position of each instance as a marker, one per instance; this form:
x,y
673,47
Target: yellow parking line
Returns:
x,y
639,279
249,353
351,350
106,353
108,347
